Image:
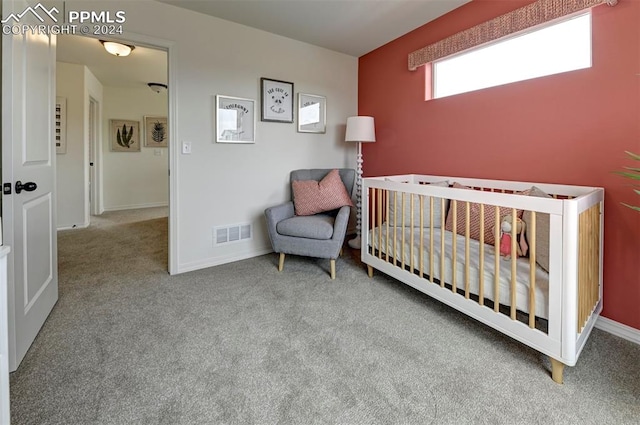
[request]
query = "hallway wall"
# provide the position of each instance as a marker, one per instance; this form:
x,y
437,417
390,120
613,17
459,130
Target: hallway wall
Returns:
x,y
133,179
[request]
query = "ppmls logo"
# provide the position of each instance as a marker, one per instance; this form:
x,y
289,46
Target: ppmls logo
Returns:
x,y
85,22
34,11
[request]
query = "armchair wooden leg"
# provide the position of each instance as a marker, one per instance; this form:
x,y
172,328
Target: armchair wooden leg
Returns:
x,y
333,269
557,371
340,252
369,270
281,262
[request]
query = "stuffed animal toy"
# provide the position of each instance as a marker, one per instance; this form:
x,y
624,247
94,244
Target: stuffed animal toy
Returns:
x,y
505,237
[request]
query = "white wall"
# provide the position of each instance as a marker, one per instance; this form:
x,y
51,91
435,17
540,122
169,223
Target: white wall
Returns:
x,y
75,83
221,184
70,165
133,179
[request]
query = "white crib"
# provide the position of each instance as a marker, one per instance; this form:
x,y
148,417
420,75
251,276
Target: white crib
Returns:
x,y
413,228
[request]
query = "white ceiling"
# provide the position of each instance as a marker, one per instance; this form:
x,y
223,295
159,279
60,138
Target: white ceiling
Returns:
x,y
142,66
354,27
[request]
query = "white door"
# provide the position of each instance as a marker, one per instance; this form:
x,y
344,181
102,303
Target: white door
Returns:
x,y
28,156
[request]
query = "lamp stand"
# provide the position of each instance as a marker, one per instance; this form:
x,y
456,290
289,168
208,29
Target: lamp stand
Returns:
x,y
356,242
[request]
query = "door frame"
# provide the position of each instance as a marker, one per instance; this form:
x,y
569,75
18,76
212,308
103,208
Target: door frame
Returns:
x,y
95,191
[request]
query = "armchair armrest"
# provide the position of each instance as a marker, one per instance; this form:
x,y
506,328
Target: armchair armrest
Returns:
x,y
274,215
279,212
340,225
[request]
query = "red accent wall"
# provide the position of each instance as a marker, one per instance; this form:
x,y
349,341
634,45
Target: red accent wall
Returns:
x,y
571,128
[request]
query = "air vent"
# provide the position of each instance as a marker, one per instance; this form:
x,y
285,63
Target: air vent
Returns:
x,y
232,233
221,235
245,231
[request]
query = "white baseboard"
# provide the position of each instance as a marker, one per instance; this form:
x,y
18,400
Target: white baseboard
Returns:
x,y
217,261
137,206
74,226
618,329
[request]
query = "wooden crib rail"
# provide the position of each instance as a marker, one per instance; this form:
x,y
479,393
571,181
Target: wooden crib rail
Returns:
x,y
588,263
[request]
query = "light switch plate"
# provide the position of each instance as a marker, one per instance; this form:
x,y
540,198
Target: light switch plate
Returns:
x,y
186,148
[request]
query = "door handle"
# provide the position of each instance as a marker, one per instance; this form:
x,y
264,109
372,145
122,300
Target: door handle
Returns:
x,y
29,186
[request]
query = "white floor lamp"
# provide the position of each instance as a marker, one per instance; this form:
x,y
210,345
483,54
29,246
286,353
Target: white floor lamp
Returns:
x,y
361,130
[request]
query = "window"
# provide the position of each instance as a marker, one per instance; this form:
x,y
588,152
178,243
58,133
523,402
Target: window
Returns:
x,y
560,47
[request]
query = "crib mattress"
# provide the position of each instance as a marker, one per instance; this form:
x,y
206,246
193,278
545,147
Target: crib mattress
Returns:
x,y
522,268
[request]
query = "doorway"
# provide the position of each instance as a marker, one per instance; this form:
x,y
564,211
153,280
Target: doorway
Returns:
x,y
30,81
115,94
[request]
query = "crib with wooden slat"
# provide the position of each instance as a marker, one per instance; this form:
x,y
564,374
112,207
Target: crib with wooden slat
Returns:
x,y
425,233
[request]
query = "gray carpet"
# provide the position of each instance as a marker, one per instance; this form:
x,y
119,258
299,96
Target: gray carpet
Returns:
x,y
244,344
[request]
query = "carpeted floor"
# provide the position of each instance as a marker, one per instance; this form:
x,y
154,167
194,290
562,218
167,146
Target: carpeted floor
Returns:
x,y
242,343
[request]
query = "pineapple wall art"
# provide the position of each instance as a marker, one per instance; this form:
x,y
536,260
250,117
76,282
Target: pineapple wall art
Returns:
x,y
124,136
156,132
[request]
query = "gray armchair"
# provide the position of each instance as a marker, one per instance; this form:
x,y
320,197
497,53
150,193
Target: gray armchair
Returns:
x,y
320,235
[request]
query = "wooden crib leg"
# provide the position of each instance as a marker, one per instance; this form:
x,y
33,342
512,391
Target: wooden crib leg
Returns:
x,y
333,269
281,262
557,370
369,270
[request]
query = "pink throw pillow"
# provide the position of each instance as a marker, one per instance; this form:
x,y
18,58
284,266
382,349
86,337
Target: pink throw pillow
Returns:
x,y
312,197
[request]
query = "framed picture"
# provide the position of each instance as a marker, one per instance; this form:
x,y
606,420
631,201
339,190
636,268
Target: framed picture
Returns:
x,y
61,125
124,135
312,113
235,120
156,132
277,100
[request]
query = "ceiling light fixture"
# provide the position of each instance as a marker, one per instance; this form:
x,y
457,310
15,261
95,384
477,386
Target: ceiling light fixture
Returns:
x,y
117,49
157,87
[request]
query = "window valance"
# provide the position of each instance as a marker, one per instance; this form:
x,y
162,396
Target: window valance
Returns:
x,y
518,20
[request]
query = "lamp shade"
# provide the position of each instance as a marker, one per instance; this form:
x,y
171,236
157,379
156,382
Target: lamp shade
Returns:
x,y
360,129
